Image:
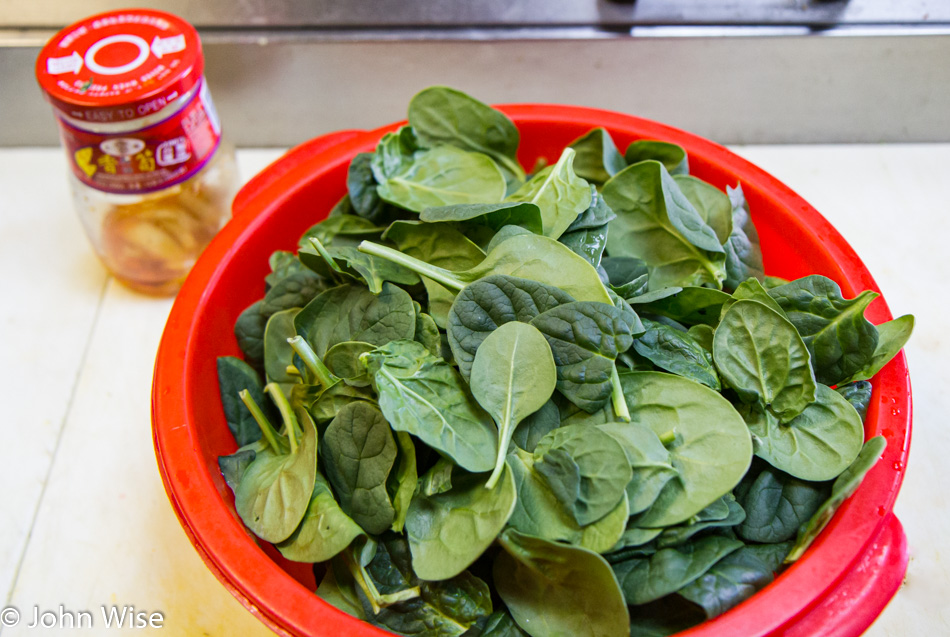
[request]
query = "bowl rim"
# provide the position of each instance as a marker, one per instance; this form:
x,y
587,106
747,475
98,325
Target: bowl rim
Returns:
x,y
232,554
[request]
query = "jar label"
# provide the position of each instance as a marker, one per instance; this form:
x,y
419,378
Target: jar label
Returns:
x,y
147,159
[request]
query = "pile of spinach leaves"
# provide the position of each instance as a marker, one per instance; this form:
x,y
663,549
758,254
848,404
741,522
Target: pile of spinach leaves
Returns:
x,y
490,403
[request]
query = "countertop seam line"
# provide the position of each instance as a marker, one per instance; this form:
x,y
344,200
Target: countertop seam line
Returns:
x,y
59,436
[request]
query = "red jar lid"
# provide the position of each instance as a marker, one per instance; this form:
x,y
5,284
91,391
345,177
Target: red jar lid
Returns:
x,y
120,66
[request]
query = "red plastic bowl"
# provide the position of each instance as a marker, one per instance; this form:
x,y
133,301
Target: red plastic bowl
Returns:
x,y
838,588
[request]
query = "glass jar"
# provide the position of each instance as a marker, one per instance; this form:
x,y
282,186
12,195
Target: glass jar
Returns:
x,y
151,179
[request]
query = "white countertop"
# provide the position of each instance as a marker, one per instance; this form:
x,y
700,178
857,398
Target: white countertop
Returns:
x,y
85,522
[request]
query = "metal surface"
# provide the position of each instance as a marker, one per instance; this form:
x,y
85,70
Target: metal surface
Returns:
x,y
385,13
278,89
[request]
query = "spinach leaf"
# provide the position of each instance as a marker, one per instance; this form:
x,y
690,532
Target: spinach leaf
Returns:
x,y
841,341
485,305
711,203
249,332
353,313
413,607
358,452
649,460
444,176
702,521
688,305
342,360
404,480
373,270
585,468
274,492
340,230
234,375
528,256
233,466
585,338
328,403
816,445
777,504
558,192
394,153
623,270
730,581
533,427
676,352
892,336
294,290
597,157
424,396
665,617
324,531
440,115
858,393
743,254
844,486
539,513
554,589
361,186
762,357
449,531
588,243
338,589
427,332
646,579
752,290
596,215
672,156
439,245
278,354
657,223
709,444
513,376
492,215
501,624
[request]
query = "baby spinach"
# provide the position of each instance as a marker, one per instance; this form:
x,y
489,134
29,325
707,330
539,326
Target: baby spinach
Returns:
x,y
444,176
761,355
858,393
743,253
324,531
657,223
672,156
234,376
513,376
777,504
892,336
709,444
585,338
585,468
731,580
481,307
841,341
524,215
358,452
274,492
558,192
449,531
555,589
646,579
353,313
818,444
843,487
597,157
676,352
484,361
527,256
423,395
441,115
